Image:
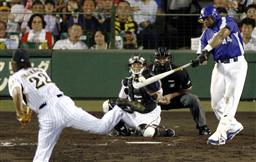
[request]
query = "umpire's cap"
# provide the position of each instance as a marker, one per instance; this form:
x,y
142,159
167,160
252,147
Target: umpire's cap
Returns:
x,y
21,56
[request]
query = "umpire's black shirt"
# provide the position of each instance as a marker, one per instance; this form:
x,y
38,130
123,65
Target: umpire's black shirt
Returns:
x,y
174,82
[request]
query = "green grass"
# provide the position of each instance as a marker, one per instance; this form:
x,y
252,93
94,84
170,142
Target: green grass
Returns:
x,y
95,105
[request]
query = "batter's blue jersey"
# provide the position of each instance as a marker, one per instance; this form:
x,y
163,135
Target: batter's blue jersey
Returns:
x,y
231,47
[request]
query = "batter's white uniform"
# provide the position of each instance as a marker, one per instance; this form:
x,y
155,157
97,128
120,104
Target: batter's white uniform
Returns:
x,y
56,111
228,75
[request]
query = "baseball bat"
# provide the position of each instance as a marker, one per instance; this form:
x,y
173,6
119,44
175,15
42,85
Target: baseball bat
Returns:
x,y
143,83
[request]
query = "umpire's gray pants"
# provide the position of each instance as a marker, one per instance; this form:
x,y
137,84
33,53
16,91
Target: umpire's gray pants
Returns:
x,y
192,102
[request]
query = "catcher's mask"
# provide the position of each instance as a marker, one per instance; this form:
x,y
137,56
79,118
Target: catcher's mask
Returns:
x,y
20,59
162,56
136,65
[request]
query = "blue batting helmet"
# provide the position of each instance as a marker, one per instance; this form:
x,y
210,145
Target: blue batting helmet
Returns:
x,y
209,11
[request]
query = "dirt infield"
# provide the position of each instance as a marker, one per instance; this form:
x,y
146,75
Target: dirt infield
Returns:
x,y
19,144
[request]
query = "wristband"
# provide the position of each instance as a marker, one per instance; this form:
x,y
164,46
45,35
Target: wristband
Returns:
x,y
208,48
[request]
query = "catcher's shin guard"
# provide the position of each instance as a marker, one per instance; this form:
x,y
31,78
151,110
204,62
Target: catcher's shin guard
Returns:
x,y
155,130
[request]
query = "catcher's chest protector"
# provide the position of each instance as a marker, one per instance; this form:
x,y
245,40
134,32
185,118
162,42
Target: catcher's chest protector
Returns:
x,y
141,96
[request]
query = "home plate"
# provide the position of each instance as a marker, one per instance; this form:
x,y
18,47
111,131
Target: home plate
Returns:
x,y
142,142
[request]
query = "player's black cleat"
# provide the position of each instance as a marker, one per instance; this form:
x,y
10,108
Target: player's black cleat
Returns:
x,y
161,131
169,132
120,130
204,130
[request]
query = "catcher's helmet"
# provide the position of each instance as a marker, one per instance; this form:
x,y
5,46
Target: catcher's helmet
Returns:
x,y
209,11
136,59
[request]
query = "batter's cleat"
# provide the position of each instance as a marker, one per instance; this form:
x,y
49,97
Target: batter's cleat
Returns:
x,y
216,142
233,132
216,139
204,130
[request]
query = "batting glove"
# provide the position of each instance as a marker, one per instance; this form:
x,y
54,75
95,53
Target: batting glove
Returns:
x,y
201,58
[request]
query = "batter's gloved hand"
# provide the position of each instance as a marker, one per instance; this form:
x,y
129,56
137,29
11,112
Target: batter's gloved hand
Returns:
x,y
201,58
25,117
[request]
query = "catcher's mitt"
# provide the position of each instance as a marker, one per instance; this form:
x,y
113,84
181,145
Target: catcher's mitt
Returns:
x,y
25,117
130,106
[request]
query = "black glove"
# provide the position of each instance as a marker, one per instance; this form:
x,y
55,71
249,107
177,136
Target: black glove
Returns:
x,y
201,58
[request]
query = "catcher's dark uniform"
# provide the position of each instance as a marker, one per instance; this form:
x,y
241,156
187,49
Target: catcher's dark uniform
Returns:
x,y
140,95
175,83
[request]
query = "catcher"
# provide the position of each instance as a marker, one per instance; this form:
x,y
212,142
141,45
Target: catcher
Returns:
x,y
144,114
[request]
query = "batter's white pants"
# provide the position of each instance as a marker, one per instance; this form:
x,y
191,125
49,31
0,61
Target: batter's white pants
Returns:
x,y
62,112
227,84
135,119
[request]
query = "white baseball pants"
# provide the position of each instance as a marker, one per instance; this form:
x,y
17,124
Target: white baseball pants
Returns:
x,y
227,84
62,112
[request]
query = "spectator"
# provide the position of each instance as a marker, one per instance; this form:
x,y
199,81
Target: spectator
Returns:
x,y
130,41
4,10
247,25
60,5
99,5
88,22
251,13
100,39
124,22
50,19
5,41
16,16
104,17
70,18
233,7
73,41
37,37
133,5
145,18
37,7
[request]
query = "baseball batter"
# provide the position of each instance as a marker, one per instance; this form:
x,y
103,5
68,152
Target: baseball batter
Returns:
x,y
55,111
223,40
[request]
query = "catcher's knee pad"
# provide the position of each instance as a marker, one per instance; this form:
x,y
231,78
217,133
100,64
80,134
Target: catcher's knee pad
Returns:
x,y
147,130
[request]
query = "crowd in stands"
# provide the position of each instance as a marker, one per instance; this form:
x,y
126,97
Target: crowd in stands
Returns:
x,y
138,24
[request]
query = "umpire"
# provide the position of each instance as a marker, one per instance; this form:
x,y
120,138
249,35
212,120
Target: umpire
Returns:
x,y
177,89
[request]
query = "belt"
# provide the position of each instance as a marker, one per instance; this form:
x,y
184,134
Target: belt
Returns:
x,y
44,104
227,61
